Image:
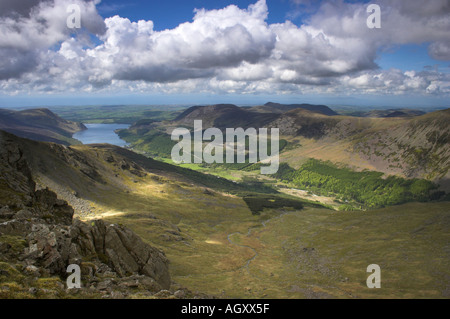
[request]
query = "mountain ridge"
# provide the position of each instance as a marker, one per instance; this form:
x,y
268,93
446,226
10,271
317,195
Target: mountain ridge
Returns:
x,y
274,107
39,124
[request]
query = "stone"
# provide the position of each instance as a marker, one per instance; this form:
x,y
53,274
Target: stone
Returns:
x,y
33,290
6,212
105,285
179,294
23,214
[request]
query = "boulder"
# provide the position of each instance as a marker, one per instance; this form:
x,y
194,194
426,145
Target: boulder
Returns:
x,y
49,247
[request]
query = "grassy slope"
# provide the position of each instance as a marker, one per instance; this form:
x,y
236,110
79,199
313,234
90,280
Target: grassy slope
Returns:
x,y
411,147
409,242
314,253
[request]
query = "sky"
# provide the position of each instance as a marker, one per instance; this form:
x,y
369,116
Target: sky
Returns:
x,y
224,51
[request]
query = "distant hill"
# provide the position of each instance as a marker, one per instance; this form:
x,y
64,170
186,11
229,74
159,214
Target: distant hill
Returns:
x,y
40,125
224,116
229,115
394,113
281,108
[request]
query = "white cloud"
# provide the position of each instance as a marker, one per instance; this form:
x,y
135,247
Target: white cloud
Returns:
x,y
29,27
230,50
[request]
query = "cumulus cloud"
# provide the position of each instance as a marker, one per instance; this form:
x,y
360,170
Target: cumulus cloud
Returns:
x,y
15,8
230,50
440,50
215,39
28,27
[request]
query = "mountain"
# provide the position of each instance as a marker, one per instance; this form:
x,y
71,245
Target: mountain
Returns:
x,y
224,116
281,108
147,229
40,125
399,142
407,146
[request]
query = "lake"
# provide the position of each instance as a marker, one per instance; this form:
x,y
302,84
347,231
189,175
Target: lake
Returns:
x,y
101,133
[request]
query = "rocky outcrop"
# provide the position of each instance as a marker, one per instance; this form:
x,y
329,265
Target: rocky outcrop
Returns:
x,y
111,247
121,249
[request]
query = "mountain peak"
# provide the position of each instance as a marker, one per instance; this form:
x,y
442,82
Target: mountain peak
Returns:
x,y
322,109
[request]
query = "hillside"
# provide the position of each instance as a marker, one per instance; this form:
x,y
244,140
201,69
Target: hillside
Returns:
x,y
393,113
395,142
39,239
153,137
229,115
411,147
40,125
167,205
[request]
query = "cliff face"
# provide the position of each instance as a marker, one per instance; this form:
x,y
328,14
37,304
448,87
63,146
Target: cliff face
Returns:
x,y
39,239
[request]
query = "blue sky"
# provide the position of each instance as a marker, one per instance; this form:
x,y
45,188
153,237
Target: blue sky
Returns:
x,y
279,50
409,57
169,14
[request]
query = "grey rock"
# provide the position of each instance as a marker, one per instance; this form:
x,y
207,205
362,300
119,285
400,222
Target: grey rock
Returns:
x,y
15,227
49,247
179,294
120,249
33,290
6,212
105,285
23,214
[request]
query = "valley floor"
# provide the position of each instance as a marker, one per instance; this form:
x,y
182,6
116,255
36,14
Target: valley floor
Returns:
x,y
216,246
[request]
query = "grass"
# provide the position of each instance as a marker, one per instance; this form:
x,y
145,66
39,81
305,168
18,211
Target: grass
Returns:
x,y
309,253
257,202
413,257
318,253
